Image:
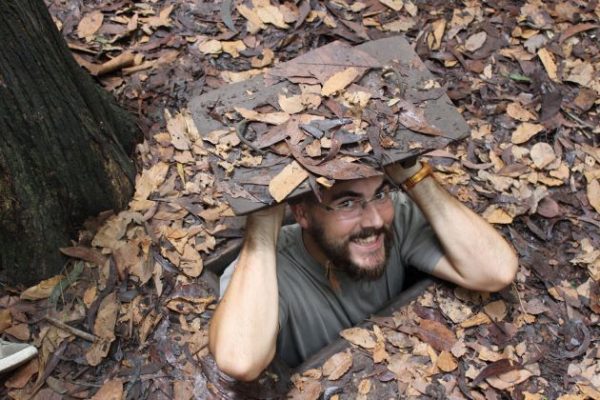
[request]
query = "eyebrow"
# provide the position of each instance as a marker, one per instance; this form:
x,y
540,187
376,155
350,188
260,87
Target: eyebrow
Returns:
x,y
350,193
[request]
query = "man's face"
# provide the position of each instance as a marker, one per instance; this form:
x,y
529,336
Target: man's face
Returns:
x,y
355,242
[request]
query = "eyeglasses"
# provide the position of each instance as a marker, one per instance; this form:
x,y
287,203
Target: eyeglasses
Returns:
x,y
352,207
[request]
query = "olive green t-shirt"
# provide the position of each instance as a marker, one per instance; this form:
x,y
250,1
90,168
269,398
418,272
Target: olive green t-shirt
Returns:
x,y
312,313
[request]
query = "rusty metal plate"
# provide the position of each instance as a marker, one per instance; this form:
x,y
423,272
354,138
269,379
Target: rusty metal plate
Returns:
x,y
411,76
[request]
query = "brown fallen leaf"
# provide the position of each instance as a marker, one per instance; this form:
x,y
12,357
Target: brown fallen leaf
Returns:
x,y
5,319
364,387
183,390
42,290
474,42
20,332
435,38
90,24
254,23
509,379
233,47
593,194
104,325
446,362
149,181
274,118
210,46
379,352
23,375
525,131
162,19
496,310
97,352
264,60
542,154
395,5
269,14
516,111
84,253
494,369
340,81
496,215
191,262
284,183
549,64
576,29
111,390
436,334
476,320
310,390
291,105
359,337
337,365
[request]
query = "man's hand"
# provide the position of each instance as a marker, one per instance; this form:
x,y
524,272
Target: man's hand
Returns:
x,y
399,173
476,256
243,330
262,227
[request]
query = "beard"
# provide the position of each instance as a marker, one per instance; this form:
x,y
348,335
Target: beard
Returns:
x,y
338,252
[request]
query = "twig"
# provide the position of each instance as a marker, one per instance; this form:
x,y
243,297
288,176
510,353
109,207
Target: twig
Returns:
x,y
240,129
77,332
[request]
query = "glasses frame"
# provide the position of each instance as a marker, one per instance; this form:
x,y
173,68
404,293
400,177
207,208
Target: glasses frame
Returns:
x,y
390,186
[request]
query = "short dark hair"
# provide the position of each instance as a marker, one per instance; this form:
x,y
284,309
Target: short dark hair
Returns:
x,y
308,198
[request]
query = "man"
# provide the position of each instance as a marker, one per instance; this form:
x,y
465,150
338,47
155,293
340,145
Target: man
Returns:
x,y
343,260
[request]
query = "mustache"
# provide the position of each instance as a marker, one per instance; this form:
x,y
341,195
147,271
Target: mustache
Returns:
x,y
365,233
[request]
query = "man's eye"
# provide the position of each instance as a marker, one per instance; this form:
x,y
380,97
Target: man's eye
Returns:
x,y
380,196
346,204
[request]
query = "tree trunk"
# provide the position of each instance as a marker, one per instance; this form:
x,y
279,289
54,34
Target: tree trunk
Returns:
x,y
64,145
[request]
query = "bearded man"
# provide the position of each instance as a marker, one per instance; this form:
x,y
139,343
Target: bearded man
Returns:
x,y
292,289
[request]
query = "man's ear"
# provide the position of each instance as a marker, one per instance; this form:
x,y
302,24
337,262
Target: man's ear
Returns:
x,y
300,212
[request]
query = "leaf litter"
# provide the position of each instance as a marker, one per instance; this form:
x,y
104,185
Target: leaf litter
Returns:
x,y
532,103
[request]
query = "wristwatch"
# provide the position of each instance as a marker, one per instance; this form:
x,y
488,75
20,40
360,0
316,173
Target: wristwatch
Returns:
x,y
421,174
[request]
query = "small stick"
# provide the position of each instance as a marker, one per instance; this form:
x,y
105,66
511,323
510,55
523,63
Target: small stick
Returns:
x,y
77,332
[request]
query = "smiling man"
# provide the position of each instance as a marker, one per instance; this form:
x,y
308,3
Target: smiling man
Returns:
x,y
294,288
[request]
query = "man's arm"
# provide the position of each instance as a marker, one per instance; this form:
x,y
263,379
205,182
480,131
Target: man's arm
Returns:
x,y
243,330
476,256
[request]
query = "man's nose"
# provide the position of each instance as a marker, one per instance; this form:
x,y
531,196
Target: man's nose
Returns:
x,y
371,217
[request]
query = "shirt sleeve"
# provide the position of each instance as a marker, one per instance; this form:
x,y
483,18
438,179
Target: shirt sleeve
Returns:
x,y
226,277
419,245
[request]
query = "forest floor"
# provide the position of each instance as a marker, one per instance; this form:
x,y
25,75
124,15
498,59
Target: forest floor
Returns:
x,y
128,317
